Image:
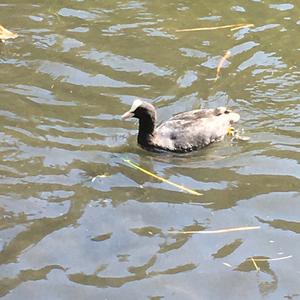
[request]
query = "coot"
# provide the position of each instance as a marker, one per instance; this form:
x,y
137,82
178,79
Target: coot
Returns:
x,y
183,132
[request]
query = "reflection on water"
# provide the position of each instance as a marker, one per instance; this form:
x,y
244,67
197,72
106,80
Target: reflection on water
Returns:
x,y
75,68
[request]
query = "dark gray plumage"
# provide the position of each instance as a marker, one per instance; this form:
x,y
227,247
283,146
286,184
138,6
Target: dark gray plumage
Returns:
x,y
183,132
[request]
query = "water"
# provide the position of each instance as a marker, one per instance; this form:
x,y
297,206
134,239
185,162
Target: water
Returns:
x,y
75,68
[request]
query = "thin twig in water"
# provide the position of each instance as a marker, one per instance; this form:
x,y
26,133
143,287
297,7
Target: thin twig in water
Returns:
x,y
255,265
243,26
162,179
221,63
232,26
273,259
226,230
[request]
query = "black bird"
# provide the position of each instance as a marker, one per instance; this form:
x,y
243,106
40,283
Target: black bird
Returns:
x,y
183,132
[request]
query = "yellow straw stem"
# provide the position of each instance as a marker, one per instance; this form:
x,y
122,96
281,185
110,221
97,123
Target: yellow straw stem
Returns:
x,y
255,265
225,230
222,61
162,179
242,26
233,26
273,259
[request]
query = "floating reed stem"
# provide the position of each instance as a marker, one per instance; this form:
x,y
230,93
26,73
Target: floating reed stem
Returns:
x,y
242,26
273,259
255,265
232,26
183,188
221,63
225,230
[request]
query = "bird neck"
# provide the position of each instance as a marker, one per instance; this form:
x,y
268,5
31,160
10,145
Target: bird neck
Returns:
x,y
146,129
